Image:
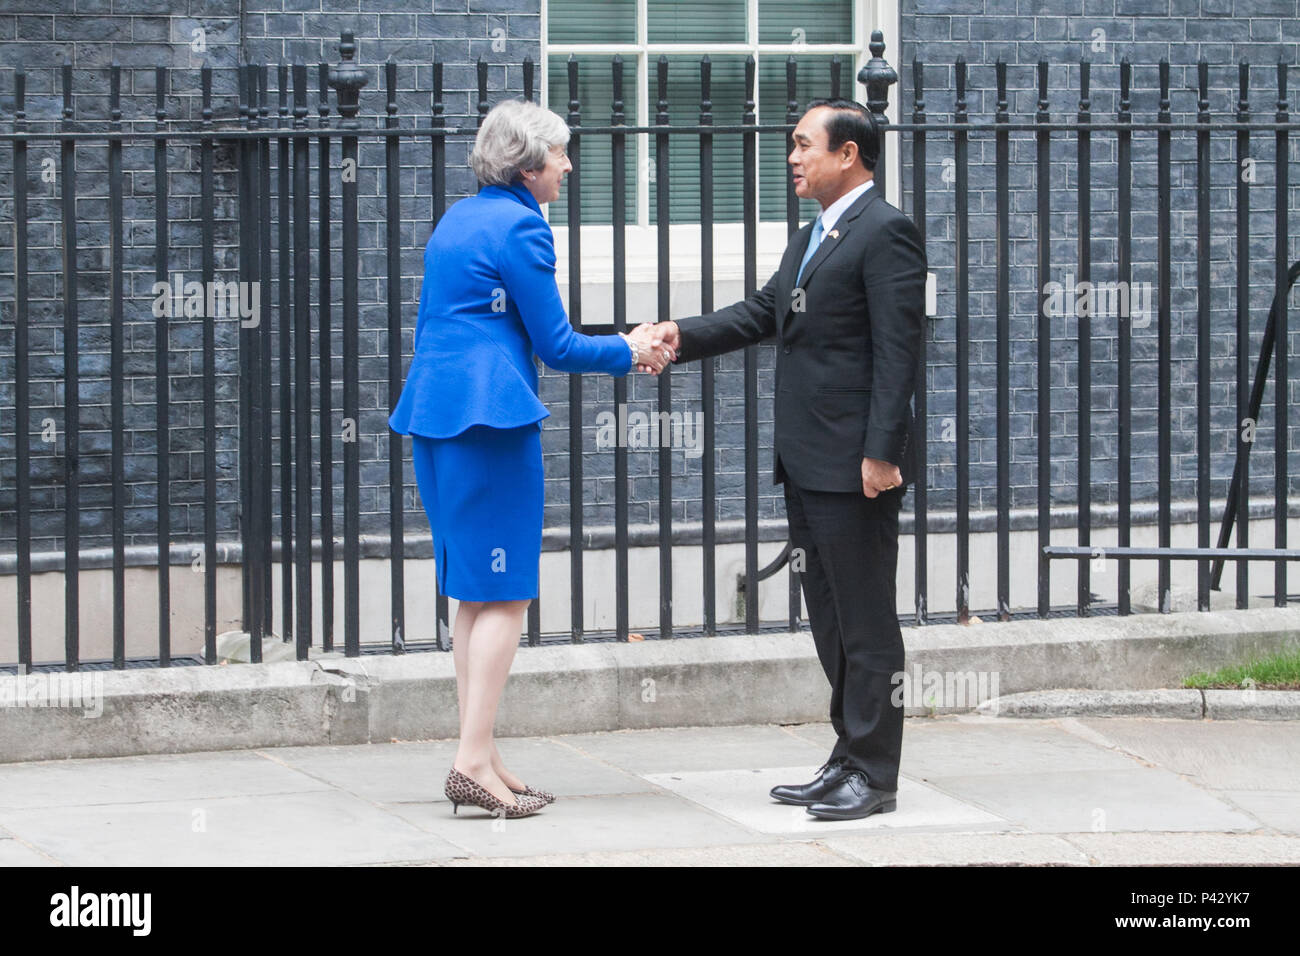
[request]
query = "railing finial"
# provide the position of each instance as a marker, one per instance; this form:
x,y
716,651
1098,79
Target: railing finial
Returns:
x,y
877,76
347,79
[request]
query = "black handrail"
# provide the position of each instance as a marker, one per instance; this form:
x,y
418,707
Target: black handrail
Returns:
x,y
777,564
1256,400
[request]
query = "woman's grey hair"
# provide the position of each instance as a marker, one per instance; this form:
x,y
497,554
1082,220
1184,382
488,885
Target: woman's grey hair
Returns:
x,y
515,135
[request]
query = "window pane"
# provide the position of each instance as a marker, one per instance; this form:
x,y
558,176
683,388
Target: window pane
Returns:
x,y
806,21
591,21
727,94
696,21
596,95
813,81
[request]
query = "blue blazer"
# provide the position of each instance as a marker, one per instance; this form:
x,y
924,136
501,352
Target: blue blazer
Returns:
x,y
489,301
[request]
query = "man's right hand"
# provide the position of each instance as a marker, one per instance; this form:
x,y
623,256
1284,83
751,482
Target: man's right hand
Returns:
x,y
672,336
656,352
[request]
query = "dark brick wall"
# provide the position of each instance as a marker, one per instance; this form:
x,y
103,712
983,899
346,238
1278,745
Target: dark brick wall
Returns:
x,y
1223,32
139,35
142,34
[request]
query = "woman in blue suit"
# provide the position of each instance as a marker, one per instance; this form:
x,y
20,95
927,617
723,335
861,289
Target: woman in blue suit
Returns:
x,y
488,303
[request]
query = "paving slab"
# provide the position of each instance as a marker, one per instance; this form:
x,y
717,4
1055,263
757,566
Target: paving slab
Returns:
x,y
766,854
153,778
698,748
893,848
382,773
16,853
326,828
948,746
1187,849
413,771
742,796
822,735
1279,810
1237,755
630,821
1083,800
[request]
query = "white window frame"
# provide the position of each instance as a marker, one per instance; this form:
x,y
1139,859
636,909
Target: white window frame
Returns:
x,y
728,237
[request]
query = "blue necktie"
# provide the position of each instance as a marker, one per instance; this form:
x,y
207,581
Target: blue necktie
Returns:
x,y
813,243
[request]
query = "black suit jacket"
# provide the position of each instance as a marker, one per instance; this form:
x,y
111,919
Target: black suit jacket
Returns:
x,y
848,344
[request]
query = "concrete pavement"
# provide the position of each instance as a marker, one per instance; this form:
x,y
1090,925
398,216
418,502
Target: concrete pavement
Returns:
x,y
975,789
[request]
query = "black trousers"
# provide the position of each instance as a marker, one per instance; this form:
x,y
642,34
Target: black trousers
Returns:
x,y
849,552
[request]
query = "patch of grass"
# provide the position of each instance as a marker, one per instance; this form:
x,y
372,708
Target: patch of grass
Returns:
x,y
1279,672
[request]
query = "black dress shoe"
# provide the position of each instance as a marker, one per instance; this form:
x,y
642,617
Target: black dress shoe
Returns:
x,y
853,798
806,794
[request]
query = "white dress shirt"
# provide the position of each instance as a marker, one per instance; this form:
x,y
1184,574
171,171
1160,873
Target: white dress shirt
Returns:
x,y
832,213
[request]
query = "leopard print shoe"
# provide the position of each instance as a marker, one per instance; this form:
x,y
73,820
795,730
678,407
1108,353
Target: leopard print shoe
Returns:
x,y
548,797
462,789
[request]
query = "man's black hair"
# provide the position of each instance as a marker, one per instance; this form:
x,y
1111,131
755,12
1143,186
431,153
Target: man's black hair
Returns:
x,y
850,120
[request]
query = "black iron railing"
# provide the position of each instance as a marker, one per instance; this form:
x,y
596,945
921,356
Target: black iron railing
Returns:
x,y
284,224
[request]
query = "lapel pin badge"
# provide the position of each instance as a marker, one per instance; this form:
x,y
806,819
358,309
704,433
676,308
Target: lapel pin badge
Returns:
x,y
834,233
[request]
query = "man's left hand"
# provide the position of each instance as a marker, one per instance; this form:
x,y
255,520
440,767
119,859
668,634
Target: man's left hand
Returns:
x,y
878,476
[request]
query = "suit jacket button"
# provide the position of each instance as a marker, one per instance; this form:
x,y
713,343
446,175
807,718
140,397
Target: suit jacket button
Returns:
x,y
787,350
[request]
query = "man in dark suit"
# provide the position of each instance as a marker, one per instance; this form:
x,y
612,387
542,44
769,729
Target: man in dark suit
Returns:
x,y
847,309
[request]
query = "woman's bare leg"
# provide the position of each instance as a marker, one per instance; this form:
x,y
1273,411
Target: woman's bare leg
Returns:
x,y
508,778
466,614
492,645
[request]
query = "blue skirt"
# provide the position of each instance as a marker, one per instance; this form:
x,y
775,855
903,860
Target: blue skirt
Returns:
x,y
482,490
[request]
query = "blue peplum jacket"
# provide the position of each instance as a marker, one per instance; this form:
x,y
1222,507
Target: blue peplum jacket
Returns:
x,y
489,301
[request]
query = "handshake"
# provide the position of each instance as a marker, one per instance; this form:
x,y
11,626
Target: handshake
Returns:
x,y
657,345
